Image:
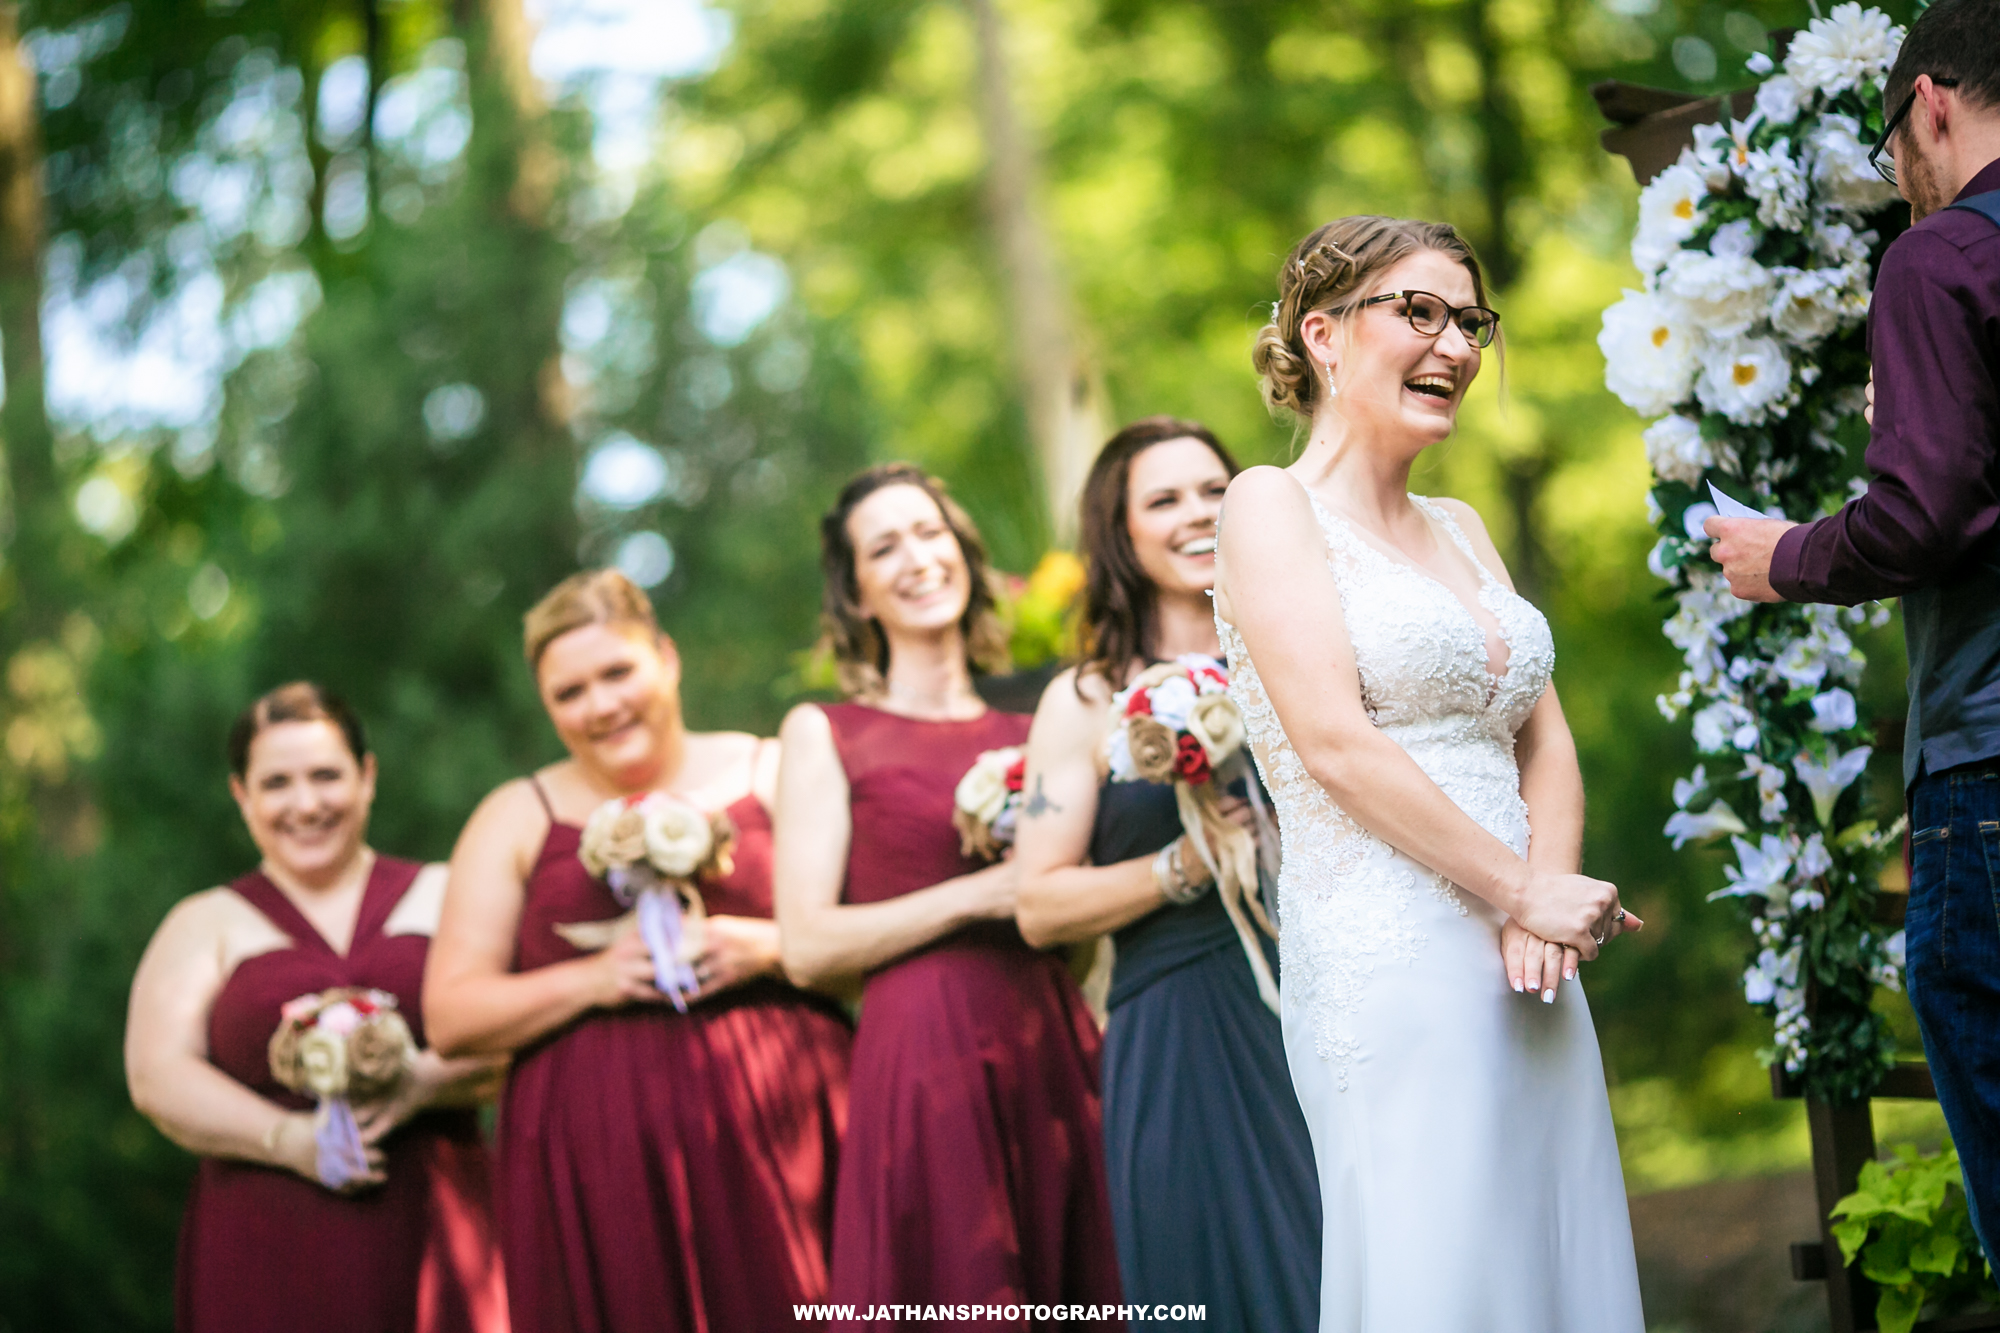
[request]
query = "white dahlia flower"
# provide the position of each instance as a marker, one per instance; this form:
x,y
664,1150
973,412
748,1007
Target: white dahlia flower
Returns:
x,y
1669,213
1744,379
1649,352
1676,450
1850,48
1840,165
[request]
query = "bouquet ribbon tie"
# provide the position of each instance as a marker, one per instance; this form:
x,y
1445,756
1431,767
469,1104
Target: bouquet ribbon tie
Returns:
x,y
1231,855
341,1159
660,918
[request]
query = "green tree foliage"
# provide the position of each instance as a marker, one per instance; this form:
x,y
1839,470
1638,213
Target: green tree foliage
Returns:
x,y
436,325
372,501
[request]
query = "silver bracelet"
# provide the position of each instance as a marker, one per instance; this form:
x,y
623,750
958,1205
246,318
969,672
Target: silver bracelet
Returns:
x,y
1170,876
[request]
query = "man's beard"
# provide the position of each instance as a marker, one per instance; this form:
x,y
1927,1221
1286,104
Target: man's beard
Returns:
x,y
1920,180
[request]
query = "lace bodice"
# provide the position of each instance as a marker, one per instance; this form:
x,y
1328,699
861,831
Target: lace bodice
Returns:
x,y
1348,901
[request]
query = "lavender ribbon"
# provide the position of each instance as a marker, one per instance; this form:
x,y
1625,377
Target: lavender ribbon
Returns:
x,y
660,927
341,1156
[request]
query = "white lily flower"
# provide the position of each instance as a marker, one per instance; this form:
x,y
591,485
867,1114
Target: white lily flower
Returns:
x,y
1827,781
1684,826
1691,786
1759,870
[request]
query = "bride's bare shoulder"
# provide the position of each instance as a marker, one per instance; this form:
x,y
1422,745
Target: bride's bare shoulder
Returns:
x,y
1263,489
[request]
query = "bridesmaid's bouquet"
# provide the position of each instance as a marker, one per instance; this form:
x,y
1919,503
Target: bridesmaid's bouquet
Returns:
x,y
341,1046
1176,724
987,802
650,849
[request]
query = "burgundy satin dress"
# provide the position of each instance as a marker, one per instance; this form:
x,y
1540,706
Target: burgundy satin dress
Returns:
x,y
664,1172
264,1249
973,1170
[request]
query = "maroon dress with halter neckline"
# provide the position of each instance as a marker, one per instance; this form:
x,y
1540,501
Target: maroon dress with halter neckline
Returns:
x,y
974,1168
667,1171
264,1249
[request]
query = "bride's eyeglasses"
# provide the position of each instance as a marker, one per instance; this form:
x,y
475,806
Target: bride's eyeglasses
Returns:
x,y
1428,314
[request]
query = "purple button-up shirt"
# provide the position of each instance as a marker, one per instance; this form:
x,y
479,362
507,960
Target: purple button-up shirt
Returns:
x,y
1934,338
1928,529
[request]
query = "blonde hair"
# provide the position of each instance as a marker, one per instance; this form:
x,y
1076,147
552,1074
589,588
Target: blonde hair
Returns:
x,y
1329,271
593,597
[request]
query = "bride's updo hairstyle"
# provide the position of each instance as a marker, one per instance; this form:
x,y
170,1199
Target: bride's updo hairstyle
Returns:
x,y
1330,270
1118,598
593,597
852,638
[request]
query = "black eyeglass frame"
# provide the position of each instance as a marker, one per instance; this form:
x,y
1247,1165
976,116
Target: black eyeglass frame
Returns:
x,y
1451,314
1879,156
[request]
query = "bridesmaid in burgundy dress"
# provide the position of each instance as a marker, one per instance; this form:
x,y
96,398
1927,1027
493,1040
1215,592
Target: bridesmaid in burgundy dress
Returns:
x,y
407,1247
658,1170
974,1169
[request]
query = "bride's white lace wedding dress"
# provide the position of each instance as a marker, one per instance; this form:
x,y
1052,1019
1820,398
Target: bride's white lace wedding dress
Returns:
x,y
1467,1164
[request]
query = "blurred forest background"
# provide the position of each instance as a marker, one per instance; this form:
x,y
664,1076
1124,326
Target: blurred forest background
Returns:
x,y
333,331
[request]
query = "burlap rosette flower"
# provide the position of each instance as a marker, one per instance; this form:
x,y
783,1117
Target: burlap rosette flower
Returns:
x,y
1176,724
341,1046
986,804
651,849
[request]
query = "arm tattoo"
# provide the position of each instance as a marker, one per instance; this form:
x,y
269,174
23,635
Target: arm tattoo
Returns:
x,y
1039,803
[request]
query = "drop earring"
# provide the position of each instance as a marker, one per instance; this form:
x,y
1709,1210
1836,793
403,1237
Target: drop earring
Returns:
x,y
1332,390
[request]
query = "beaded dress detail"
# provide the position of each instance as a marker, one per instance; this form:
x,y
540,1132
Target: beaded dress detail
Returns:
x,y
1425,683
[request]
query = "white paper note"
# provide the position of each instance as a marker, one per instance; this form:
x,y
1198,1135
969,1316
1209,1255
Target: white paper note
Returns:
x,y
1728,508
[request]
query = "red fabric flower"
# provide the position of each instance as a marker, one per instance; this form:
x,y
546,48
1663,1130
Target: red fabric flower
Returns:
x,y
1140,703
1017,776
1191,760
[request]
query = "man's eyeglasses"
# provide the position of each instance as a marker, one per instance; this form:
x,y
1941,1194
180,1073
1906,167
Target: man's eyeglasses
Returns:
x,y
1428,314
1878,156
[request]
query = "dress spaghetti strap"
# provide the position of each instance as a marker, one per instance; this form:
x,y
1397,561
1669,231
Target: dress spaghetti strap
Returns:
x,y
543,797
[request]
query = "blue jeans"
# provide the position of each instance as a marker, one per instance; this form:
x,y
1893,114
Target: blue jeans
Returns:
x,y
1952,937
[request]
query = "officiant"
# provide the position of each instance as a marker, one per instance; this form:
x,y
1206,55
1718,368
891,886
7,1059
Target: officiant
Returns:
x,y
1928,530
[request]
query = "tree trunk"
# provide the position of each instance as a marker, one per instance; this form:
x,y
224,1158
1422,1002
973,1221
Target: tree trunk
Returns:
x,y
24,426
1065,398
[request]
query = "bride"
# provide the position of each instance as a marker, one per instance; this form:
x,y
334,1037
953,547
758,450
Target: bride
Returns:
x,y
1396,691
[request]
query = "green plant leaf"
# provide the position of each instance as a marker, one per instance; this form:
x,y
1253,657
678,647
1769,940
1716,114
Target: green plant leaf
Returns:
x,y
1896,1311
1938,1252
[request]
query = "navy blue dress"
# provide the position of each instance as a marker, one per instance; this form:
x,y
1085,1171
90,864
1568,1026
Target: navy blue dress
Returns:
x,y
1214,1196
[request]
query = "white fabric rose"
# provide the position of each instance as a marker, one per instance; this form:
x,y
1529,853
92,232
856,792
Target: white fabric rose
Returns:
x,y
323,1062
1833,710
1745,379
1722,294
1669,213
678,836
1780,99
1849,48
1840,166
1676,450
1649,352
1215,722
982,792
1172,698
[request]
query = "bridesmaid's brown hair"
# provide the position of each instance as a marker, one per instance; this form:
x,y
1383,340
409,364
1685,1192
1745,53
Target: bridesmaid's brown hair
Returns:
x,y
1118,598
299,701
860,653
593,597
